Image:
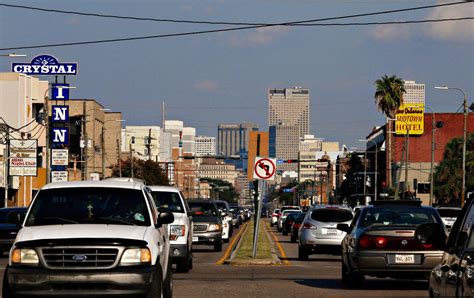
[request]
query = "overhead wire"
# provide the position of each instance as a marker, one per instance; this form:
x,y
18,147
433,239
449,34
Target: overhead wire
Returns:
x,y
266,25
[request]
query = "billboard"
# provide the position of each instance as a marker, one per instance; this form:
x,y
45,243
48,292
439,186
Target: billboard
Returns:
x,y
411,117
23,157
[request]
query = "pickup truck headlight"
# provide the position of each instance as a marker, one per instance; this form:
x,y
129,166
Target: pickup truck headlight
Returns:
x,y
214,227
176,231
25,256
136,256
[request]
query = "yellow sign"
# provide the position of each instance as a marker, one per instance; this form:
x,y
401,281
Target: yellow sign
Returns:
x,y
411,117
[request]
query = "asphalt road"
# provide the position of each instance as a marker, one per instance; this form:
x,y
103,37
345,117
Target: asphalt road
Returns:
x,y
318,277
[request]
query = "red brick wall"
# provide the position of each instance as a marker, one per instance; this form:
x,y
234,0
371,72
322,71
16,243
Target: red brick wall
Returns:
x,y
420,146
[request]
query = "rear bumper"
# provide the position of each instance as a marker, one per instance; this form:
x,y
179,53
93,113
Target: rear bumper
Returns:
x,y
38,282
308,239
382,263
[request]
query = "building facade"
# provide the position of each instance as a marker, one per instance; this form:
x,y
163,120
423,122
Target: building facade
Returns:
x,y
290,106
217,169
284,145
147,141
205,146
415,93
232,139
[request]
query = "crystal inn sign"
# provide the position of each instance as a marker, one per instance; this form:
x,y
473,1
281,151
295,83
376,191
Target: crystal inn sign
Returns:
x,y
45,65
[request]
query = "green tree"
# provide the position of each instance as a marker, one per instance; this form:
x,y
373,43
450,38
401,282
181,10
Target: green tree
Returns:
x,y
353,184
148,170
222,190
389,94
447,176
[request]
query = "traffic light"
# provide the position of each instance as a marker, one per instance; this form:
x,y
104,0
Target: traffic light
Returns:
x,y
291,161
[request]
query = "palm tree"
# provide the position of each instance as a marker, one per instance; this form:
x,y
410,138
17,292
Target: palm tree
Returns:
x,y
388,98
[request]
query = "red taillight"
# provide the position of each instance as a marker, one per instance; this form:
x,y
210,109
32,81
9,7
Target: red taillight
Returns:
x,y
427,245
308,226
365,241
380,242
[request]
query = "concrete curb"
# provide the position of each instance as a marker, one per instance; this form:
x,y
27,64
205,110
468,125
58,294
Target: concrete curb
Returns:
x,y
272,250
237,246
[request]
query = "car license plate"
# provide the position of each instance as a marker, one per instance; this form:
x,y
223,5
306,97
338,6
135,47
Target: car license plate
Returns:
x,y
404,259
195,239
331,231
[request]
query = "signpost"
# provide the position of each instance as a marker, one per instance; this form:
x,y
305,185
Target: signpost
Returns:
x,y
411,115
263,170
45,65
23,155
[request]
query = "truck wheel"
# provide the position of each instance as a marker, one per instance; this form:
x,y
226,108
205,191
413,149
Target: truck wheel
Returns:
x,y
302,254
157,285
183,266
6,287
350,279
218,246
168,283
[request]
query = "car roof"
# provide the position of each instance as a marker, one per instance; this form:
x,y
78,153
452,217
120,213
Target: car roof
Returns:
x,y
449,208
317,207
90,183
163,188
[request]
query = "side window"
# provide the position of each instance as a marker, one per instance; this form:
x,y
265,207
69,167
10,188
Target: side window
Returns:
x,y
185,203
459,232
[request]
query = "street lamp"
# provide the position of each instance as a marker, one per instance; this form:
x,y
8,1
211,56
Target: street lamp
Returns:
x,y
464,141
46,113
12,55
375,178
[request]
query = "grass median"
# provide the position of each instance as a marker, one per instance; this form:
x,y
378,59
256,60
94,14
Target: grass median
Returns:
x,y
246,246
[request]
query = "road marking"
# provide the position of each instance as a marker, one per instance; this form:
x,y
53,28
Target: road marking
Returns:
x,y
231,245
280,248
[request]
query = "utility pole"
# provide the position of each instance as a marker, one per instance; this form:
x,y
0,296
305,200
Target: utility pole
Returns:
x,y
46,125
365,173
433,129
102,141
406,164
132,141
86,141
464,145
148,144
5,169
119,161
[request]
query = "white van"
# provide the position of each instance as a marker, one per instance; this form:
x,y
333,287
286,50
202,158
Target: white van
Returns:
x,y
91,237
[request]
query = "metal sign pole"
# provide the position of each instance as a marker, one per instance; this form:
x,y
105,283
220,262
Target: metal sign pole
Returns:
x,y
262,184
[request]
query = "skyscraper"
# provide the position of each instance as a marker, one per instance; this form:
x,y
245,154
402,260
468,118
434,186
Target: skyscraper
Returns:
x,y
415,93
289,106
232,139
284,144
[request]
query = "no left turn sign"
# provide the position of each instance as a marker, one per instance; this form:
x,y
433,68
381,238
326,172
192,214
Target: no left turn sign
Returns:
x,y
264,168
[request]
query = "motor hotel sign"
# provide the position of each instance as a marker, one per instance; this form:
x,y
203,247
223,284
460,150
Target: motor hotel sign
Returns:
x,y
23,157
411,116
45,65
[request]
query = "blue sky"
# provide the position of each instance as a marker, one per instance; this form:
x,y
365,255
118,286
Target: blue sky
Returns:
x,y
224,77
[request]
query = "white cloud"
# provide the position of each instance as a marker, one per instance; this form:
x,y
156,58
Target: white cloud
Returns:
x,y
453,31
205,86
256,37
458,31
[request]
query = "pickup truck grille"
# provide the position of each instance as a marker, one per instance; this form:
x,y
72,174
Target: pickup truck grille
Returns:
x,y
79,257
200,228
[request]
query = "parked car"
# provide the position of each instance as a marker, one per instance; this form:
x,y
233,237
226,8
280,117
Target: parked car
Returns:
x,y
170,199
288,222
453,276
295,227
283,216
9,231
227,228
91,238
207,224
275,215
448,215
381,242
319,229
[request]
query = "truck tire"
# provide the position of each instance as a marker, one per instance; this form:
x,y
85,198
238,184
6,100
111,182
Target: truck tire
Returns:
x,y
218,246
168,282
183,266
157,285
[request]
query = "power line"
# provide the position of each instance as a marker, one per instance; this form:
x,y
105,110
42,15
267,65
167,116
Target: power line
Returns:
x,y
190,33
134,18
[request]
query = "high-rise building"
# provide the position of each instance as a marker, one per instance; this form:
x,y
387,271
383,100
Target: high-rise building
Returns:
x,y
205,146
415,93
284,145
289,106
233,139
310,143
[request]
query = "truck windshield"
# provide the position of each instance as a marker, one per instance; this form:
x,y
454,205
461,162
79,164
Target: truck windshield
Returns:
x,y
168,200
89,205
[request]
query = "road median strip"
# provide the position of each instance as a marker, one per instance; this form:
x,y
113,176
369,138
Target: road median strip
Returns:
x,y
232,245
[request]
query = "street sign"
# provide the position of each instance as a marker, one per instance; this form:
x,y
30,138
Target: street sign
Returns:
x,y
23,157
411,115
60,135
45,65
60,113
59,176
59,157
264,168
60,91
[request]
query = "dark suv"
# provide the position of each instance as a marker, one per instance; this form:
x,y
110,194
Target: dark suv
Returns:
x,y
8,231
207,224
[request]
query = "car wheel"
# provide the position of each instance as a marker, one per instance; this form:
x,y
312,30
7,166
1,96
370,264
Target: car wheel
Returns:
x,y
168,283
6,292
183,266
157,285
350,279
302,253
190,261
285,233
218,246
293,238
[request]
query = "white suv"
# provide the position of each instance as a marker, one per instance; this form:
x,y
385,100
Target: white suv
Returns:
x,y
169,198
89,238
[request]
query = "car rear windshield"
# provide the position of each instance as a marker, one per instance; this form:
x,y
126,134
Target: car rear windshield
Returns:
x,y
89,205
205,208
331,215
448,212
168,200
397,216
